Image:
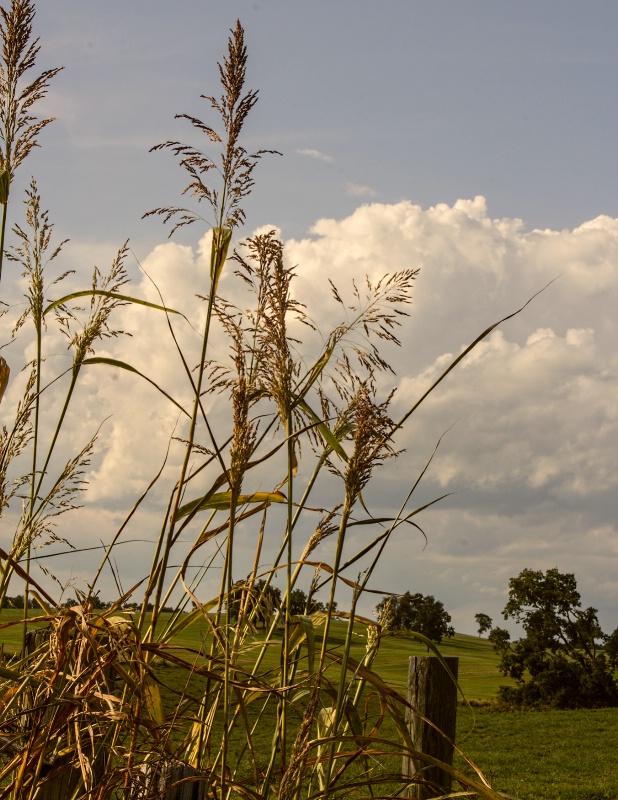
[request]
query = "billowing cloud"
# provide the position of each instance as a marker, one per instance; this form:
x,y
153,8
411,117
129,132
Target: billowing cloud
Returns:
x,y
530,458
531,454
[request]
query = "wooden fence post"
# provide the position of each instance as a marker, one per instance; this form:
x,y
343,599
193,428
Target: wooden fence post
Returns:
x,y
171,780
433,694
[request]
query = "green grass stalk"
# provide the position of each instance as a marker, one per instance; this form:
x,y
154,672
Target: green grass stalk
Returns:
x,y
2,235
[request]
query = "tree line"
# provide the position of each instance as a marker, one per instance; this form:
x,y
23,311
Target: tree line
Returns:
x,y
94,601
563,660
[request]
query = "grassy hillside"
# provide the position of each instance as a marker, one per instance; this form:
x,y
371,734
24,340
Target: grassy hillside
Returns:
x,y
555,755
478,664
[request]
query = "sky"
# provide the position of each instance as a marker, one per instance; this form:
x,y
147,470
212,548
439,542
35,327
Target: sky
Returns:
x,y
473,141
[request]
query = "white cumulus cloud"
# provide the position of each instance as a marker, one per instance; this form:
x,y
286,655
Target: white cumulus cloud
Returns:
x,y
531,453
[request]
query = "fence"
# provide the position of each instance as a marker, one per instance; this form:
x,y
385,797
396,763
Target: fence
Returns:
x,y
433,693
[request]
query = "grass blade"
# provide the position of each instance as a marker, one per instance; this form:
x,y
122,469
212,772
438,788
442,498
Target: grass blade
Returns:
x,y
113,362
113,296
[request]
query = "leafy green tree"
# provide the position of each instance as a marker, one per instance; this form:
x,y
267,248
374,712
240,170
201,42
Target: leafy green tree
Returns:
x,y
500,639
299,603
484,623
416,612
263,601
559,662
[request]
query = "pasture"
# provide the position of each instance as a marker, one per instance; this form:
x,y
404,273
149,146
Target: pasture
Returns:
x,y
550,755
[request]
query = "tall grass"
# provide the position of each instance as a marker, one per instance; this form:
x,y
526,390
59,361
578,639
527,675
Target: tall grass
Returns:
x,y
19,129
81,708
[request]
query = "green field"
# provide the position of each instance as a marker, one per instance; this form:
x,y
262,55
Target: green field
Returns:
x,y
551,755
544,755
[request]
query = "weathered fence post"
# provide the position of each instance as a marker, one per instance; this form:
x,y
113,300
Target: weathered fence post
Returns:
x,y
433,694
171,780
34,639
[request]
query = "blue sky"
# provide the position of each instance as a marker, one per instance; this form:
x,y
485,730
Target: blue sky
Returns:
x,y
475,140
428,101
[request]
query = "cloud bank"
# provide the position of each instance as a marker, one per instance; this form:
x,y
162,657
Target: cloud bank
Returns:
x,y
530,458
532,453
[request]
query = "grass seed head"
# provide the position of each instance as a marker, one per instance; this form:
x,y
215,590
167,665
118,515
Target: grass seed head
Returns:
x,y
235,165
97,325
19,129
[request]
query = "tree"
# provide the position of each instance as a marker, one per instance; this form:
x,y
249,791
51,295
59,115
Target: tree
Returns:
x,y
484,622
500,639
298,603
559,662
262,601
415,612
